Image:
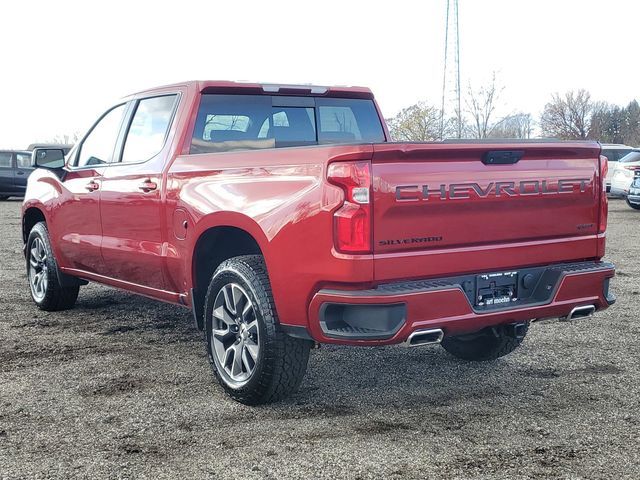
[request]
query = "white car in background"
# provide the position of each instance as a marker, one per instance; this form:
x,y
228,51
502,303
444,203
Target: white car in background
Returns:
x,y
614,152
633,198
623,175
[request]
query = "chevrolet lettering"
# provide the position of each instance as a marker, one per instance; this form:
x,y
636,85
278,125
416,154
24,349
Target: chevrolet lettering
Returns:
x,y
492,189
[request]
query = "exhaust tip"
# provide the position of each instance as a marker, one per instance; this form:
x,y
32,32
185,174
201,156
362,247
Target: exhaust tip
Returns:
x,y
581,312
425,337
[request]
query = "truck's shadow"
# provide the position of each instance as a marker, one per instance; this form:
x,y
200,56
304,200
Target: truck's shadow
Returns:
x,y
340,380
399,377
344,381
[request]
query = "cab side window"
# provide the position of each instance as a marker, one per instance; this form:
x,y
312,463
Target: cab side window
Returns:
x,y
148,128
97,148
5,159
23,160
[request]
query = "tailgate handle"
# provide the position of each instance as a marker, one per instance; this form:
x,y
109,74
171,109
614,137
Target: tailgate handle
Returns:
x,y
502,157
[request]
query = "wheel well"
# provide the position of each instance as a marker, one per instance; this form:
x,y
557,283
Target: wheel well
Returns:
x,y
31,216
214,247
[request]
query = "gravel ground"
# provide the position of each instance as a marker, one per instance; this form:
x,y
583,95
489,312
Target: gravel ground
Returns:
x,y
120,387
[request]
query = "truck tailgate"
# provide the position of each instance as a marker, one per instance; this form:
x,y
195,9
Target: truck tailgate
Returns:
x,y
442,208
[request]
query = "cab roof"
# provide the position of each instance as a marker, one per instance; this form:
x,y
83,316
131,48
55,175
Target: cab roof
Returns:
x,y
225,86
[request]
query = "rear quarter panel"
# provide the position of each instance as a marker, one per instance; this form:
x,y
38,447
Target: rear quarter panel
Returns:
x,y
282,199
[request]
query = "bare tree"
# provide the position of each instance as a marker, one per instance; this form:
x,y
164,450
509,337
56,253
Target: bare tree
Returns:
x,y
517,125
481,109
631,127
573,115
607,123
615,124
66,138
417,123
568,116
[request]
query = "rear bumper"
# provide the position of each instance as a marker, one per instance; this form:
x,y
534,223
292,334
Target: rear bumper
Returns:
x,y
618,192
620,185
391,312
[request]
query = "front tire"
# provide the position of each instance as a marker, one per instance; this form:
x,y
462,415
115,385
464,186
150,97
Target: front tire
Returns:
x,y
488,344
253,360
635,206
3,197
42,273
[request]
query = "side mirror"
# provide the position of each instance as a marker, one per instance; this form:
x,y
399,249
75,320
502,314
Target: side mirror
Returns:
x,y
50,158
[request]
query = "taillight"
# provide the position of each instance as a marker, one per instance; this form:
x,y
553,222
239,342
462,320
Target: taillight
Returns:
x,y
604,201
352,221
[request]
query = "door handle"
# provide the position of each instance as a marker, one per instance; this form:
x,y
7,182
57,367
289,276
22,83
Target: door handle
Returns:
x,y
19,173
92,186
148,186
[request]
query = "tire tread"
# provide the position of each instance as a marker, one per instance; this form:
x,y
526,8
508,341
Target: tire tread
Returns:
x,y
57,297
285,358
632,205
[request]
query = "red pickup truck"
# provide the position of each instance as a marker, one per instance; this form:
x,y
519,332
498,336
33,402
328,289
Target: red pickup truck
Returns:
x,y
284,215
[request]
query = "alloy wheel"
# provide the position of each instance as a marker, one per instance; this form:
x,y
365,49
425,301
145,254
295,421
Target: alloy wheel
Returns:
x,y
38,270
235,337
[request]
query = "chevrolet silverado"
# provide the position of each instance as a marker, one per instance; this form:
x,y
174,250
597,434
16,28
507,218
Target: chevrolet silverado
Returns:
x,y
284,216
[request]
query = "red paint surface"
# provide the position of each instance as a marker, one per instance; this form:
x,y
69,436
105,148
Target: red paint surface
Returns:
x,y
122,236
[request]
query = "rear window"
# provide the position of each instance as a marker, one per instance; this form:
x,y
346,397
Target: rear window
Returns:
x,y
348,120
615,154
630,157
5,159
23,160
245,122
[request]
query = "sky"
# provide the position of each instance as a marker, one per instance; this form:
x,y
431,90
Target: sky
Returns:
x,y
62,62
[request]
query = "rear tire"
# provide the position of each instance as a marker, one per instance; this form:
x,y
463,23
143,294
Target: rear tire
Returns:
x,y
488,344
253,360
635,206
3,197
42,273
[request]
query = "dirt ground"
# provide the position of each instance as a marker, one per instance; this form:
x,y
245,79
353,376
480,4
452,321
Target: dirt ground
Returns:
x,y
119,387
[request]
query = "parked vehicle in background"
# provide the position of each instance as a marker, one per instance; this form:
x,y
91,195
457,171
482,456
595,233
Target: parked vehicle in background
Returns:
x,y
633,198
282,215
626,179
15,168
614,152
623,174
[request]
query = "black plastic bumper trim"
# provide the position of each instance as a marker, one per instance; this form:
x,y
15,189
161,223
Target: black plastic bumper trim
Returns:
x,y
197,310
541,292
610,297
362,321
296,331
